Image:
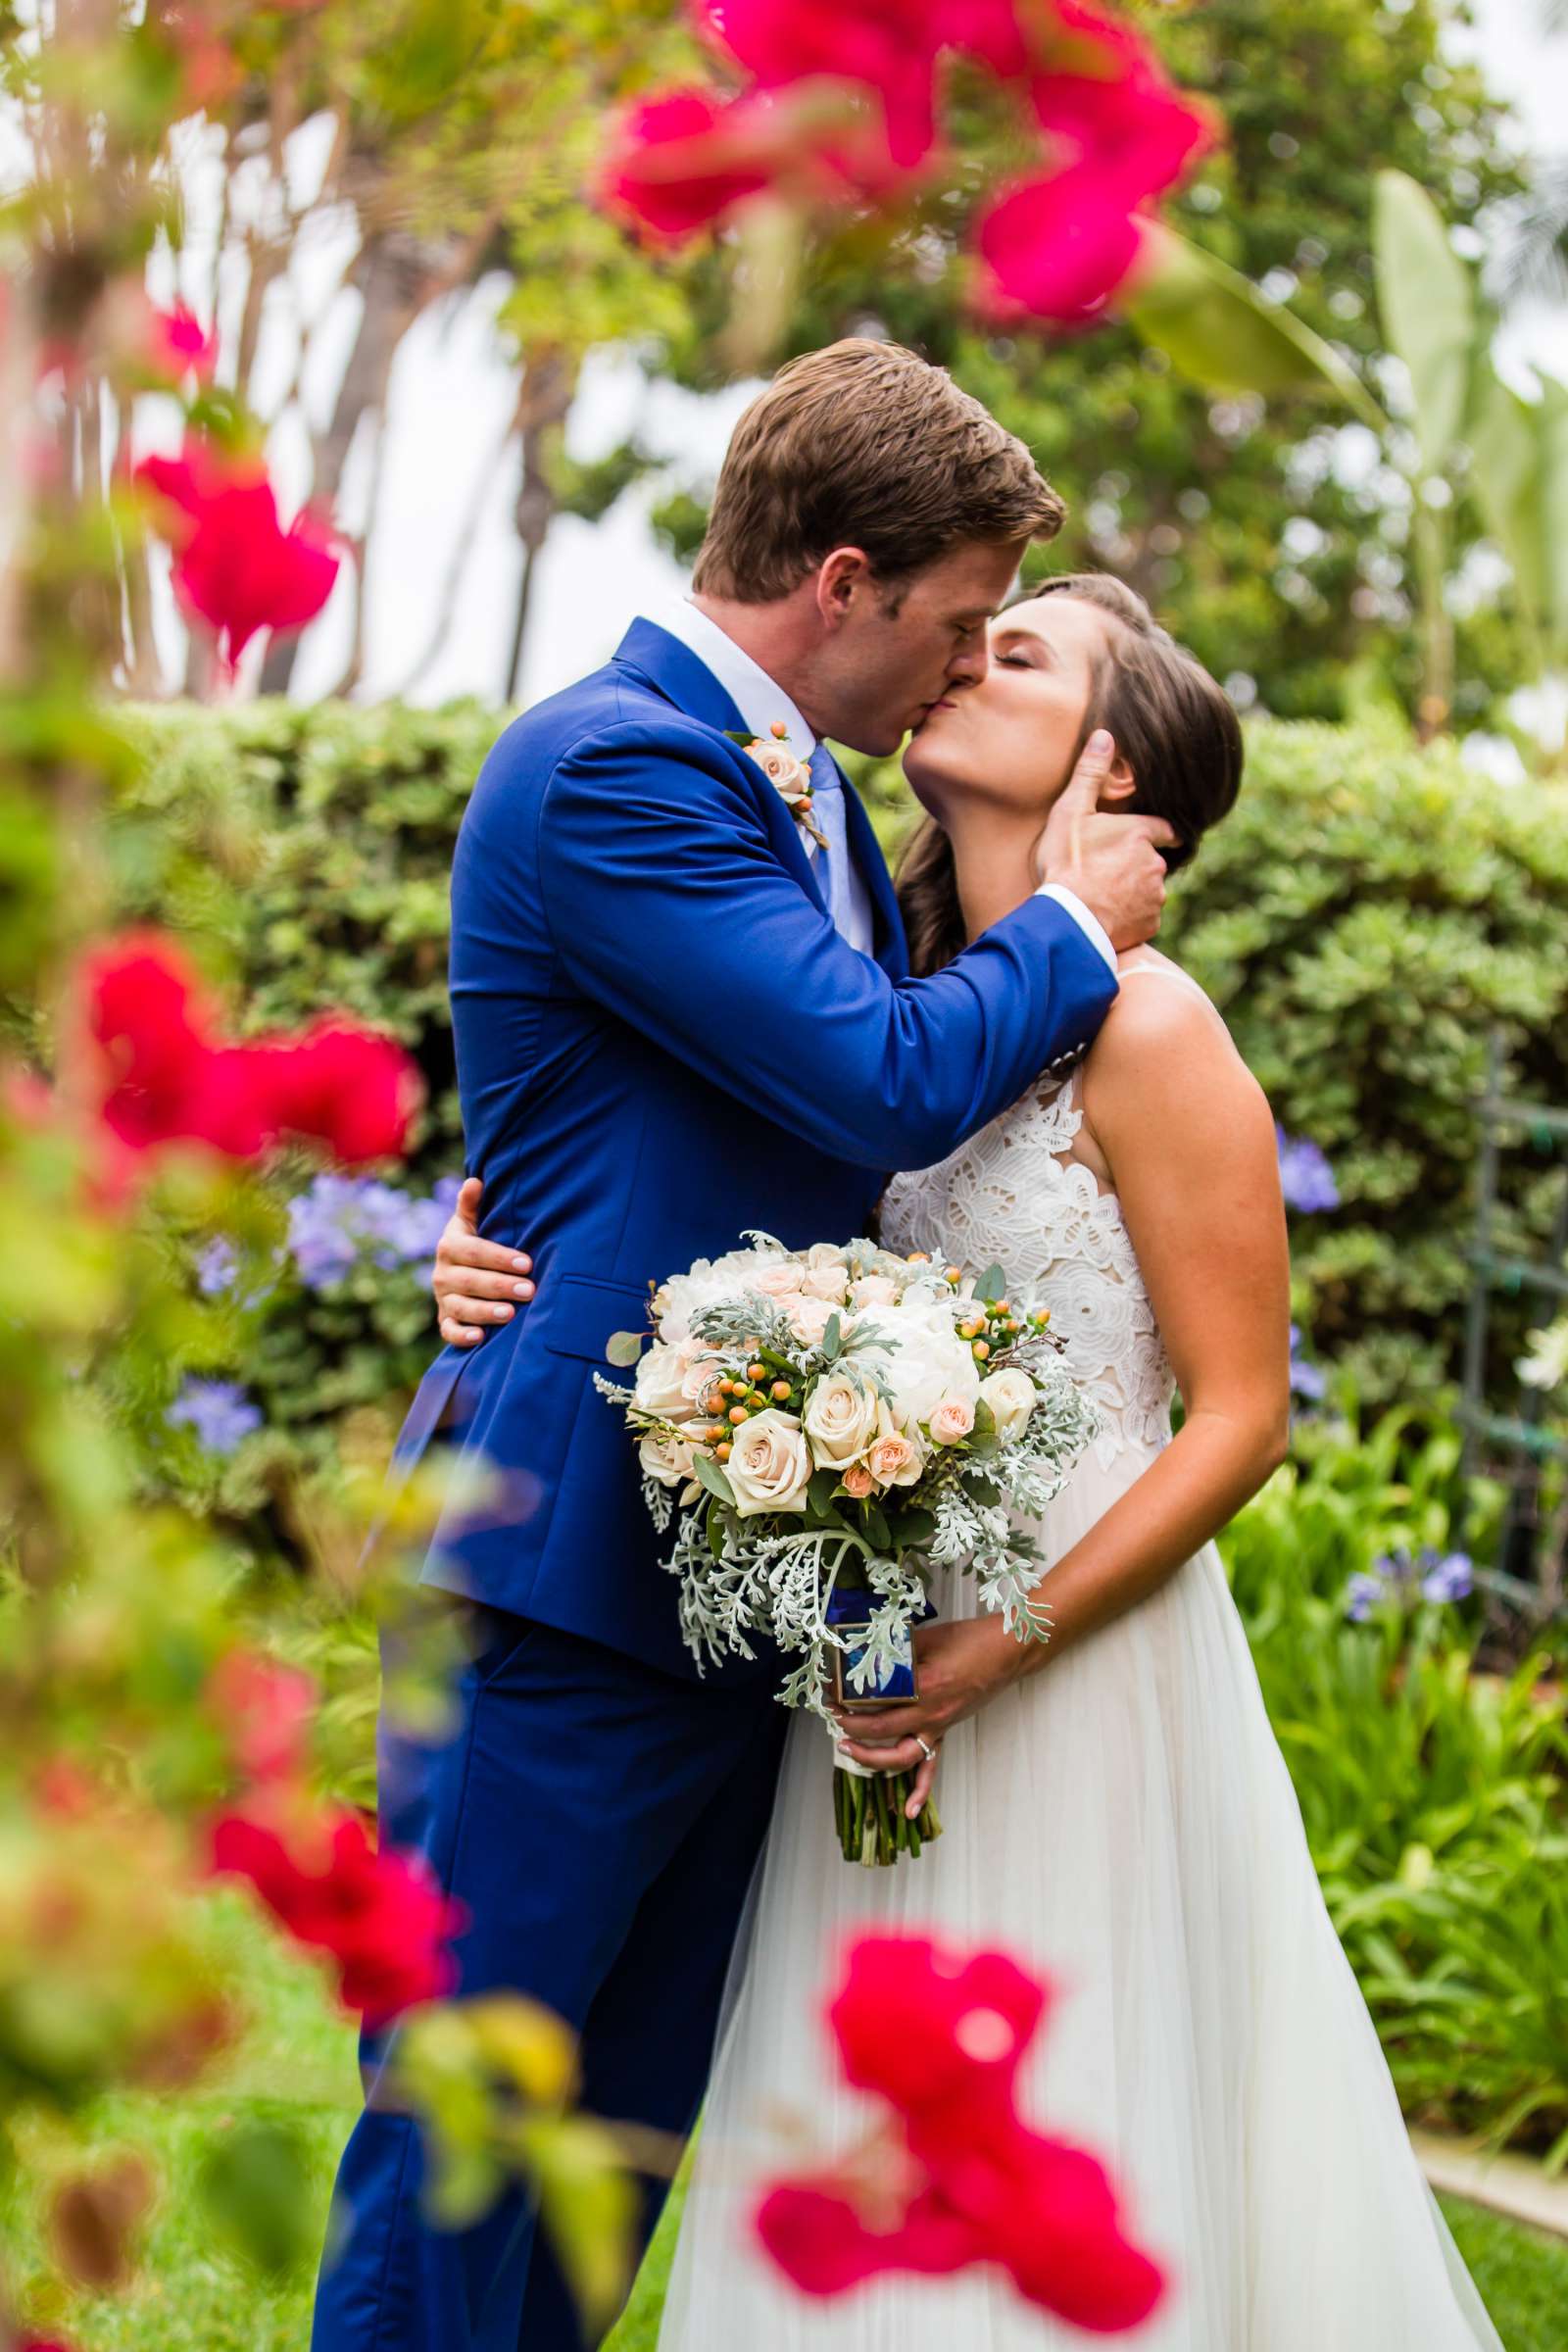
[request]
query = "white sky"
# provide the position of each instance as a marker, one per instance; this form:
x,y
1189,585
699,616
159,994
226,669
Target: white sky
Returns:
x,y
451,394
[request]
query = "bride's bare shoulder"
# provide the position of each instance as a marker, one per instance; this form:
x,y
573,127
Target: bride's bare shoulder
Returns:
x,y
1162,1041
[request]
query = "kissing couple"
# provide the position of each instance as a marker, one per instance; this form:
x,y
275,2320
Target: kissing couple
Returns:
x,y
681,1012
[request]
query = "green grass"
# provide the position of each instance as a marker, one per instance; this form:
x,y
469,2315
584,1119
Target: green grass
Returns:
x,y
295,2065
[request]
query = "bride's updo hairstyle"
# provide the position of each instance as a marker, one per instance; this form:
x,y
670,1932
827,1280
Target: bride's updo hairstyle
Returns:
x,y
1172,723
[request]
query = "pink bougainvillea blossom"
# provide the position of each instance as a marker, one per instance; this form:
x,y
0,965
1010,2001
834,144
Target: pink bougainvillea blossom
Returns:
x,y
180,345
1055,248
235,568
958,2178
886,46
265,1710
157,1071
379,1914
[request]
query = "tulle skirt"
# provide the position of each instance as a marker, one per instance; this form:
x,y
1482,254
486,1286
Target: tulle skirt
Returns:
x,y
1122,1822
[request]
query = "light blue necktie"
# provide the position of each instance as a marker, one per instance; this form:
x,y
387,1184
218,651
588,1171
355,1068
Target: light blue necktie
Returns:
x,y
827,809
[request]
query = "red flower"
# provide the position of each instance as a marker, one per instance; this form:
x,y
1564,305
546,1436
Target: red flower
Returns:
x,y
381,1916
940,2037
161,1074
1056,248
235,568
180,344
264,1709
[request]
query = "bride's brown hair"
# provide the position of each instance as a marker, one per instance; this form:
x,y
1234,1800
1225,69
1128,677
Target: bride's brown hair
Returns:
x,y
1172,724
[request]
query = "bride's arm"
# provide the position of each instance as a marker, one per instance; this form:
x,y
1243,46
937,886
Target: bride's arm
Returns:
x,y
1189,1139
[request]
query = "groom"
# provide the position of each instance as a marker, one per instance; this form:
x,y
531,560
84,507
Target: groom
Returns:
x,y
676,1017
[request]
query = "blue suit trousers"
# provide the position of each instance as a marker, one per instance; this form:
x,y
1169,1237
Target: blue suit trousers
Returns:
x,y
602,1821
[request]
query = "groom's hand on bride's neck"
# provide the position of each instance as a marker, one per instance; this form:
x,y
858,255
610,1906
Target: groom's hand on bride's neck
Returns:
x,y
1111,861
477,1284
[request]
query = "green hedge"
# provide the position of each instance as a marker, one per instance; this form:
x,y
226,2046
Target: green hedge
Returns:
x,y
1362,919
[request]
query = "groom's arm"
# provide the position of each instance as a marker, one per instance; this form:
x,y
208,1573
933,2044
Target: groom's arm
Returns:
x,y
667,902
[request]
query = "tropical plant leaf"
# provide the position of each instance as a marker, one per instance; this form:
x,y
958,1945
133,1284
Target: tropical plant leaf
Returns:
x,y
1427,305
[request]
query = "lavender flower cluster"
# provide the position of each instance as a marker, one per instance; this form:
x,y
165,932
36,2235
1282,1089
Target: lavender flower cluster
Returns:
x,y
338,1221
1305,1176
219,1412
1432,1575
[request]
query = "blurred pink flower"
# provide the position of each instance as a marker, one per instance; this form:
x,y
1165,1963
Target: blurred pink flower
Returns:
x,y
939,2036
235,568
1055,248
888,46
180,344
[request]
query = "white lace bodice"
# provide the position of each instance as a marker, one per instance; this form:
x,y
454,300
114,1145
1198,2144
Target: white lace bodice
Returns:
x,y
1014,1196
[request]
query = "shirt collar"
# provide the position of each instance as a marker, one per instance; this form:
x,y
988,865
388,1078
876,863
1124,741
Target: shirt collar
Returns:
x,y
759,702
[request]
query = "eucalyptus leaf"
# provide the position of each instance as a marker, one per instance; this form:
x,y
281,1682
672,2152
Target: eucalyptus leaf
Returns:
x,y
992,1285
623,1347
832,1339
710,1474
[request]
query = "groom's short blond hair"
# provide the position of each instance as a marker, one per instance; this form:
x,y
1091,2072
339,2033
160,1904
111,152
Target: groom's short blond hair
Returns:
x,y
865,445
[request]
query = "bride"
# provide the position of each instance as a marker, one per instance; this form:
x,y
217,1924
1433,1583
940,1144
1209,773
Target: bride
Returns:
x,y
1117,1813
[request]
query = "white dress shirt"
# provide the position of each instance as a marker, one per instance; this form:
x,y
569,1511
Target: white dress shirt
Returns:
x,y
760,702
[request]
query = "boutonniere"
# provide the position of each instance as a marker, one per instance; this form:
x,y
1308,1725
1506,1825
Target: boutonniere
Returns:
x,y
786,771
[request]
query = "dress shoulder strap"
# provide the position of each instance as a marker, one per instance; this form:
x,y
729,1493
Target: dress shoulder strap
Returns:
x,y
1163,971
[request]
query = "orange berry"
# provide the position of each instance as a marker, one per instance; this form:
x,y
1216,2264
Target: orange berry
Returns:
x,y
981,1350
955,1274
780,1389
779,729
919,1257
737,1414
755,1372
722,1451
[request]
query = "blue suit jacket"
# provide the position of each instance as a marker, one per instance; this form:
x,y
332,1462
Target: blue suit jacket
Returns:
x,y
662,1040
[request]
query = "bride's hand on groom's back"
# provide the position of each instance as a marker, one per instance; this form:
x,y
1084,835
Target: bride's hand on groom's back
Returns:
x,y
1110,862
477,1284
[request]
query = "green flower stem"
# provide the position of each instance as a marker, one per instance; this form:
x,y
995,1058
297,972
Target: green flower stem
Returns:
x,y
871,1821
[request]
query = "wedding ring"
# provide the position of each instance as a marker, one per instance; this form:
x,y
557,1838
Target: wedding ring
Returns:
x,y
929,1754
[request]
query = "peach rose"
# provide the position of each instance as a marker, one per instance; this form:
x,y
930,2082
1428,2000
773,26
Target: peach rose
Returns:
x,y
895,1460
830,1280
873,1290
858,1481
808,1318
781,1279
952,1419
664,1458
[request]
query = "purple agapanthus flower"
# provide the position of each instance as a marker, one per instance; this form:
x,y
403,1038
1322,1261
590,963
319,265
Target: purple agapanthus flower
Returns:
x,y
1451,1578
218,1411
1305,1176
217,1264
1434,1575
338,1220
1309,1382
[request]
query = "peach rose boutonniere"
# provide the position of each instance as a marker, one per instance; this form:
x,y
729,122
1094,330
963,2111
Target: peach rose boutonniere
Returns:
x,y
786,771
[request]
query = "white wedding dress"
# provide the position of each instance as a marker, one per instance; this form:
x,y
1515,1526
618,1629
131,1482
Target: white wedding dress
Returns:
x,y
1123,1822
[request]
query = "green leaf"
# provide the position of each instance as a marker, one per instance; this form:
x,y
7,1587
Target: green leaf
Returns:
x,y
916,1526
983,1490
992,1286
1214,326
832,1339
623,1347
710,1474
715,1529
255,2185
1427,307
878,1532
824,1487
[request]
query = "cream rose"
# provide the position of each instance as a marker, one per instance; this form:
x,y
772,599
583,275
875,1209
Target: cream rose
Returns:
x,y
1010,1395
872,1289
660,1383
924,1363
769,1467
840,1420
781,1279
808,1318
952,1419
667,1458
830,1280
788,774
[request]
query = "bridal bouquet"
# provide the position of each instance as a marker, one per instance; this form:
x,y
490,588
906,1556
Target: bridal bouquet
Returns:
x,y
825,1426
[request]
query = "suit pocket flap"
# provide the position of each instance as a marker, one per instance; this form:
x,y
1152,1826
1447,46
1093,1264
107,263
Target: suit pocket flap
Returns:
x,y
587,1311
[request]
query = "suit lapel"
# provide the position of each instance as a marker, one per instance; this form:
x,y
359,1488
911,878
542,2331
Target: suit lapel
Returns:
x,y
678,674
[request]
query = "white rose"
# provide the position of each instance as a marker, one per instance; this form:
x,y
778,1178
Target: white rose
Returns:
x,y
660,1386
840,1420
830,1280
928,1366
1010,1395
667,1458
769,1467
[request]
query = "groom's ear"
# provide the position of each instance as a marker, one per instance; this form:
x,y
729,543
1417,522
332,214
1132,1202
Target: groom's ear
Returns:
x,y
1119,783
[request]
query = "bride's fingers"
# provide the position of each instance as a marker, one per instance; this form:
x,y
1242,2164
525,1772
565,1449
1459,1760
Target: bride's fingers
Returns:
x,y
924,1779
901,1756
